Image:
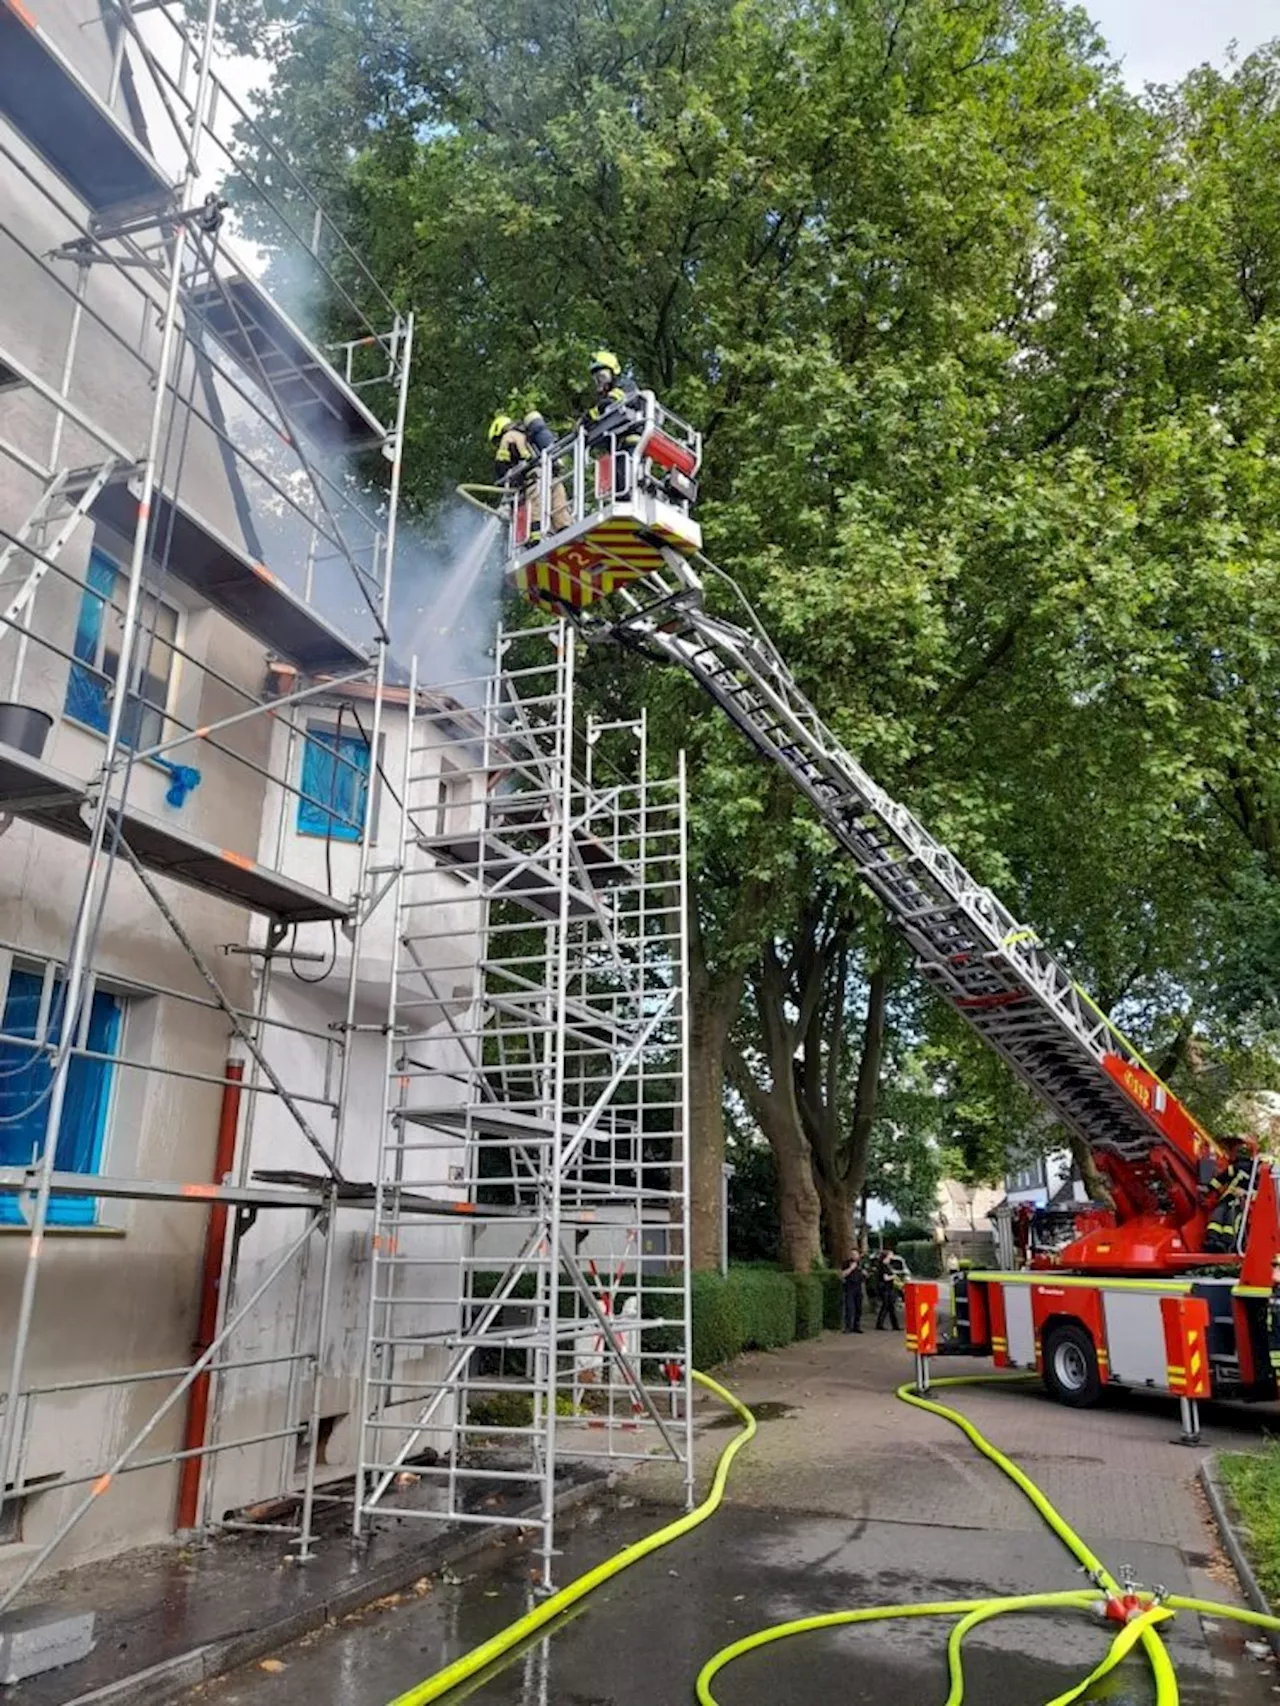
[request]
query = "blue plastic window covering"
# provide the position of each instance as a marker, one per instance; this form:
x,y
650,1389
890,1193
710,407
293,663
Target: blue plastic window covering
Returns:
x,y
335,781
88,693
97,647
26,1073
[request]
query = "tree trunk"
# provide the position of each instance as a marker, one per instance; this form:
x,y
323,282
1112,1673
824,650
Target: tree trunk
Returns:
x,y
712,1008
1094,1183
837,1218
798,1206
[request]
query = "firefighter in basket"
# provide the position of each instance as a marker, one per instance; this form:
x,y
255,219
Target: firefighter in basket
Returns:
x,y
615,418
517,457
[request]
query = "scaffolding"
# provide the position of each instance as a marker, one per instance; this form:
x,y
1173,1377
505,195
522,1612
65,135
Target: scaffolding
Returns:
x,y
556,1329
218,456
497,918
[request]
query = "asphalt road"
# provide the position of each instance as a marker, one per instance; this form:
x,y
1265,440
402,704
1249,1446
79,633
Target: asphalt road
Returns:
x,y
848,1498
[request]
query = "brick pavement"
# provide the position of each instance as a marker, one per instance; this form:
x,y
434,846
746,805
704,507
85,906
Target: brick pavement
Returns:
x,y
849,1448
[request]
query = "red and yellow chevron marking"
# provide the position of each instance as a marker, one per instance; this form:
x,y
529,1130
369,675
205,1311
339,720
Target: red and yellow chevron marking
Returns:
x,y
589,568
922,1317
1186,1326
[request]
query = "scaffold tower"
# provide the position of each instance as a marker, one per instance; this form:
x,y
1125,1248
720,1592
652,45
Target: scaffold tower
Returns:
x,y
556,1327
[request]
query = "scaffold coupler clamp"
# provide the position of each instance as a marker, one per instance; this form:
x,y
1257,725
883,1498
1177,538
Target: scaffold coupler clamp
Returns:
x,y
210,212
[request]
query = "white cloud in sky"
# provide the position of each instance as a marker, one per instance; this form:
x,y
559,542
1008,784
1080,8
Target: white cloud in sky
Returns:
x,y
1159,41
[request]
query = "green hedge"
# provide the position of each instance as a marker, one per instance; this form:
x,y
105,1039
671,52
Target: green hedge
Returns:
x,y
718,1326
768,1307
746,1309
832,1299
809,1304
923,1257
749,1308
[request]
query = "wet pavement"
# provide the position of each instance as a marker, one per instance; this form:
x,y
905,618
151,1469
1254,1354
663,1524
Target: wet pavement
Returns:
x,y
167,1617
641,1640
846,1498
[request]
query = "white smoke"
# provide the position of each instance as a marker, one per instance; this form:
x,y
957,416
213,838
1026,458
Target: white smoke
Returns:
x,y
446,591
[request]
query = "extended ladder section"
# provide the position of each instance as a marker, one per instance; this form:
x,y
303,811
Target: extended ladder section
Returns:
x,y
600,559
989,967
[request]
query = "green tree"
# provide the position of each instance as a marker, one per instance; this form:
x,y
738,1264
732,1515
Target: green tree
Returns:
x,y
985,353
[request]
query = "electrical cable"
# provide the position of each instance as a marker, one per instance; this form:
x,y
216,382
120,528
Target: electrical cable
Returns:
x,y
1137,1613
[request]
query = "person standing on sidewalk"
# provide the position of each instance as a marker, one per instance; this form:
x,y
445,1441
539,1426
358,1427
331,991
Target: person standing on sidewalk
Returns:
x,y
887,1314
851,1274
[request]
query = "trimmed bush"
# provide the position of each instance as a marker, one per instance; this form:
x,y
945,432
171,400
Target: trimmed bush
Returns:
x,y
660,1306
809,1302
717,1320
768,1307
923,1257
832,1299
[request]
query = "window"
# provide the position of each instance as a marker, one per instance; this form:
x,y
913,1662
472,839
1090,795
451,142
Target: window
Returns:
x,y
31,1026
1029,1177
97,647
335,783
451,799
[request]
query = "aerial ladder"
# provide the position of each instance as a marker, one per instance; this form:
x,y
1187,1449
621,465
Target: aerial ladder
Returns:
x,y
600,529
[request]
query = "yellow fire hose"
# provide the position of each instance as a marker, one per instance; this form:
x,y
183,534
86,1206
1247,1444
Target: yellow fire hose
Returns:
x,y
1141,1612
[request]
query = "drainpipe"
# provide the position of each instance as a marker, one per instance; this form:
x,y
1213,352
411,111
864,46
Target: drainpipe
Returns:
x,y
195,1434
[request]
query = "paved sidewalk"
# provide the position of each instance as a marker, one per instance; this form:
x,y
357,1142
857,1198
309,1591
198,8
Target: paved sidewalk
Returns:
x,y
1114,1472
847,1497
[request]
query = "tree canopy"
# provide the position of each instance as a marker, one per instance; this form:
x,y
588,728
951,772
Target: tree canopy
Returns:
x,y
986,353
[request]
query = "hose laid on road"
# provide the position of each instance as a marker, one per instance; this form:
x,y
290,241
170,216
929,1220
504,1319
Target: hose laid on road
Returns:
x,y
479,1658
1141,1612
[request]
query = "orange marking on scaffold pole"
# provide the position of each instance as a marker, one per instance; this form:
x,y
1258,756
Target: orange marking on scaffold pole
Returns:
x,y
205,1191
21,10
100,1486
236,859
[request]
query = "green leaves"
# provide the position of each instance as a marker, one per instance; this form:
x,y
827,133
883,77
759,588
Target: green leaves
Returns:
x,y
987,355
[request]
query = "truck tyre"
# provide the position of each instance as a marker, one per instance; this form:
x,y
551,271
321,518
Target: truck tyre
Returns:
x,y
1071,1366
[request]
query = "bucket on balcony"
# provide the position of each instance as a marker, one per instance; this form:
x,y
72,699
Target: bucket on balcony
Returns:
x,y
25,727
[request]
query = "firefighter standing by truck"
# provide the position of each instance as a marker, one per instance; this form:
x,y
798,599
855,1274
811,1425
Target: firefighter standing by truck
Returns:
x,y
1233,1183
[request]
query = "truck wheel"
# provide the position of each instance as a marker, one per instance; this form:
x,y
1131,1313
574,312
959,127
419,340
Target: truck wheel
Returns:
x,y
1071,1366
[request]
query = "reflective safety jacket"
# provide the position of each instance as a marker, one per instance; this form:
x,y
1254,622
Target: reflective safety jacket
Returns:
x,y
520,447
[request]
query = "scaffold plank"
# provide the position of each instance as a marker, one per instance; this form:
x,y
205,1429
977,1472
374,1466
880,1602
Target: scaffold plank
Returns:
x,y
264,341
508,874
200,557
34,790
19,1179
47,102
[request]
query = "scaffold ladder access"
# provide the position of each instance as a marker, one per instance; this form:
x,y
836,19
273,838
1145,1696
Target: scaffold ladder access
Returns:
x,y
554,1328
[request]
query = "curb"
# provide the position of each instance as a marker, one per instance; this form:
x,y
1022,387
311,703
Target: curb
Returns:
x,y
173,1678
1219,1504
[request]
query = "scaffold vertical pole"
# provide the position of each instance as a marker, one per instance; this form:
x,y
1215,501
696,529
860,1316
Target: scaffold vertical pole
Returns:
x,y
686,1223
98,871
